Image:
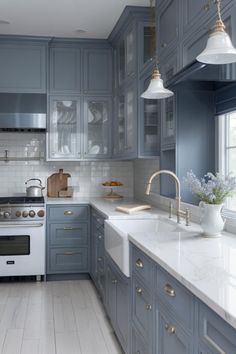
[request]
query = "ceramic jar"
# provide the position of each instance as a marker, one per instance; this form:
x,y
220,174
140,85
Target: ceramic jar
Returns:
x,y
212,222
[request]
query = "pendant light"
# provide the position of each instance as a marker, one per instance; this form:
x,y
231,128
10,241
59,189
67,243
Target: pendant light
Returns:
x,y
219,48
156,89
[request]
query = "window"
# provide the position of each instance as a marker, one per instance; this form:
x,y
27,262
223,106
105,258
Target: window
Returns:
x,y
227,149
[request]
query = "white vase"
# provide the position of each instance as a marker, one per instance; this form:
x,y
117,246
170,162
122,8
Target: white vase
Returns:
x,y
212,222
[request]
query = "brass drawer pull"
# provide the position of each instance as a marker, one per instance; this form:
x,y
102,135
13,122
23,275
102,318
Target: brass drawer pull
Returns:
x,y
139,291
169,290
148,307
69,253
170,329
139,263
68,212
114,281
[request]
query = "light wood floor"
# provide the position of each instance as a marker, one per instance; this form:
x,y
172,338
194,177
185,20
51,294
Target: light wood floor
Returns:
x,y
64,317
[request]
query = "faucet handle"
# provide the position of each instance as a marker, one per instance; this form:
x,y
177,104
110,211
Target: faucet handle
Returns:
x,y
170,209
187,216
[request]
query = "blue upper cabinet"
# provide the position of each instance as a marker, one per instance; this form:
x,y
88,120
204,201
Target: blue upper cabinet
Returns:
x,y
65,70
168,25
23,67
97,71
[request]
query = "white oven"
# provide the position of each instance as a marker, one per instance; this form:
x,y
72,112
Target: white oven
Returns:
x,y
22,248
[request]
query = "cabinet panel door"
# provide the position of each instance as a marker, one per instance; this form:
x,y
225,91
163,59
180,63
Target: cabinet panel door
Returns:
x,y
97,71
131,119
65,70
171,338
23,68
64,128
111,282
122,311
97,127
139,346
68,234
168,25
119,125
196,13
130,51
150,122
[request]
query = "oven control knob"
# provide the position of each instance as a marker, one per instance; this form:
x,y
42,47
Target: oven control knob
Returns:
x,y
25,214
7,214
18,213
41,213
32,213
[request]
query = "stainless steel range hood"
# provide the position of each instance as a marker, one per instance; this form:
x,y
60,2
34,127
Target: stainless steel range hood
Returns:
x,y
23,112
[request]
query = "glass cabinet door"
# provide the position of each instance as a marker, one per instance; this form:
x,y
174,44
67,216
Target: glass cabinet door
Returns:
x,y
97,113
130,51
121,62
121,140
168,122
64,128
148,44
150,124
130,119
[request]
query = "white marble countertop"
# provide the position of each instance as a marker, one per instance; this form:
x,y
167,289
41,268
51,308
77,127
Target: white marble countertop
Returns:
x,y
206,266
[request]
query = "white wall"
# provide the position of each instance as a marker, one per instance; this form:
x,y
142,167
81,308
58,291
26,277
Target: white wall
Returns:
x,y
86,176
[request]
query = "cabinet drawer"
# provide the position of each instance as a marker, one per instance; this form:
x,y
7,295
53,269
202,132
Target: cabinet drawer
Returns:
x,y
64,260
68,213
141,307
142,265
71,235
175,297
171,338
219,336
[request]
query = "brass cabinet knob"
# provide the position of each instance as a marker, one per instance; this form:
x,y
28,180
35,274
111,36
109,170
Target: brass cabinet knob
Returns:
x,y
148,307
139,291
139,263
170,329
114,281
169,290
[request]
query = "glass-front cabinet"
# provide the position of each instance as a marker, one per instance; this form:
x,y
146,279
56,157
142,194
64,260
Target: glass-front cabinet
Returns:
x,y
97,132
150,122
168,123
63,137
125,126
147,40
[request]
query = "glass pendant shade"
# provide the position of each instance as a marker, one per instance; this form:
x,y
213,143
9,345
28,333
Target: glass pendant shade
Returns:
x,y
156,90
219,48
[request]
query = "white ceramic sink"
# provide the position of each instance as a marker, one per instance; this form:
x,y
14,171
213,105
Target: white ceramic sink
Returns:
x,y
116,236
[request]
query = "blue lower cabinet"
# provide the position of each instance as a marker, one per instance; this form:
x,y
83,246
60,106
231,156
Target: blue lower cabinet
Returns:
x,y
97,267
171,337
215,333
117,302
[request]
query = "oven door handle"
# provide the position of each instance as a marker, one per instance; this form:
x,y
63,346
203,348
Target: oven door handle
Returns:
x,y
8,226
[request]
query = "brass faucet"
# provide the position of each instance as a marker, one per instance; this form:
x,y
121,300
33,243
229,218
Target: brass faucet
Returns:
x,y
179,212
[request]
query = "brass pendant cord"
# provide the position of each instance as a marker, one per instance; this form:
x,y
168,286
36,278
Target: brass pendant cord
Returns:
x,y
154,45
219,25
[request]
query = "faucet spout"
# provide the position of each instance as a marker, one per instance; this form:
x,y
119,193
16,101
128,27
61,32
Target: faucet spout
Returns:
x,y
177,187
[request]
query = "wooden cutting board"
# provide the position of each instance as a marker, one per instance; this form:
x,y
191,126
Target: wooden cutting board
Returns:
x,y
57,182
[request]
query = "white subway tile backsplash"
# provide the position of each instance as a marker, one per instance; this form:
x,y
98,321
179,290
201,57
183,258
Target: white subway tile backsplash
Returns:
x,y
86,176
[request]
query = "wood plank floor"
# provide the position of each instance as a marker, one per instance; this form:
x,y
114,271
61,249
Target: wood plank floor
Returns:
x,y
64,317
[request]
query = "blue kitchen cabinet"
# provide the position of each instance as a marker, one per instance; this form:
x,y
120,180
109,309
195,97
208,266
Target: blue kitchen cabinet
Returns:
x,y
142,306
146,45
97,127
65,70
64,131
97,267
168,25
97,70
149,121
68,241
214,332
125,122
23,66
117,302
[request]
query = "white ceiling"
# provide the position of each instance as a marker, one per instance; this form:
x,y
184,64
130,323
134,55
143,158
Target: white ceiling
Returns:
x,y
61,18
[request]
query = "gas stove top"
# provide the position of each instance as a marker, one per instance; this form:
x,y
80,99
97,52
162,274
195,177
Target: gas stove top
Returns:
x,y
21,208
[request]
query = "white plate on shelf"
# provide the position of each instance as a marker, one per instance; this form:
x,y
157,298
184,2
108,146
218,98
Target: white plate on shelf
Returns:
x,y
94,150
